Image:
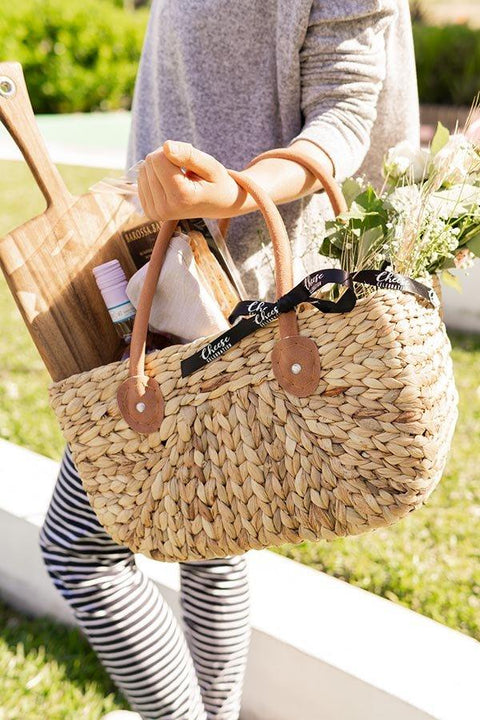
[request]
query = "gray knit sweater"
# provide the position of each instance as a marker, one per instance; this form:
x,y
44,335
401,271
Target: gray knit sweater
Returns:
x,y
237,77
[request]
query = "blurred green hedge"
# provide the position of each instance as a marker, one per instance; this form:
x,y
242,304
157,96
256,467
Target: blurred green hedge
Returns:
x,y
448,63
81,55
77,55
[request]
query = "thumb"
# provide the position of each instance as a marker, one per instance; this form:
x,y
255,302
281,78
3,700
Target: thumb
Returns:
x,y
183,154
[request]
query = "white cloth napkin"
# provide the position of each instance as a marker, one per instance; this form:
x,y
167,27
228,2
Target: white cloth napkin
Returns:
x,y
182,304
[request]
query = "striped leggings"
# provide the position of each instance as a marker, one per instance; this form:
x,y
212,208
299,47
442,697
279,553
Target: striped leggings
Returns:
x,y
165,671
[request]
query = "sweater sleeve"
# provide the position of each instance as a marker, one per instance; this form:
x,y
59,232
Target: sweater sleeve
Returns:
x,y
342,68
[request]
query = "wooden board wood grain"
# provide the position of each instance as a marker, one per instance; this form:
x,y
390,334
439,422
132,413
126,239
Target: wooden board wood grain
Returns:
x,y
48,260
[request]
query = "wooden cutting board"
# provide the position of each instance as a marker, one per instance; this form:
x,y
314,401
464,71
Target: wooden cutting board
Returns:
x,y
48,260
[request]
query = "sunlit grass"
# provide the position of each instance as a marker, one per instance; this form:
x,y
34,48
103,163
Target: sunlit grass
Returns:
x,y
49,672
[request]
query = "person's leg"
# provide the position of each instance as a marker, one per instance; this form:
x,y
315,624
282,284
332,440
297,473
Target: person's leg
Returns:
x,y
215,601
126,620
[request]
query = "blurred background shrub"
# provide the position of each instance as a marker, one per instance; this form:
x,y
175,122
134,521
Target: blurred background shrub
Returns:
x,y
82,55
448,63
77,55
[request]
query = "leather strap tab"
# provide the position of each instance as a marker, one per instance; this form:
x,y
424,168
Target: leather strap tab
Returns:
x,y
144,412
296,365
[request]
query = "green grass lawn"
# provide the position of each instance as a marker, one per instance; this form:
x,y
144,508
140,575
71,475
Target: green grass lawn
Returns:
x,y
49,672
428,562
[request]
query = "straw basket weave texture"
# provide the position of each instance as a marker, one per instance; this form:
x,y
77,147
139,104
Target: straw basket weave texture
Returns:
x,y
239,463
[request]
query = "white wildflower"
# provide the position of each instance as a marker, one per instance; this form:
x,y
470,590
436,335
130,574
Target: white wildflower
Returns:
x,y
455,161
406,160
406,199
455,200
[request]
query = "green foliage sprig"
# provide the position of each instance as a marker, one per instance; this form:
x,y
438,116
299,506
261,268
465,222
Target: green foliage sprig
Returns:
x,y
425,218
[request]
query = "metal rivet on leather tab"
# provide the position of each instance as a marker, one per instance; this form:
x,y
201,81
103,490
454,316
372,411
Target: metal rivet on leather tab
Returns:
x,y
140,407
296,368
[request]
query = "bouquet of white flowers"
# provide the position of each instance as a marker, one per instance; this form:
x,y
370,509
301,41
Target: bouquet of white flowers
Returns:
x,y
426,217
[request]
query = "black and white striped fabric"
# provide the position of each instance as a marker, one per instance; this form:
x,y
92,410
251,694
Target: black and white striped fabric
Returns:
x,y
165,671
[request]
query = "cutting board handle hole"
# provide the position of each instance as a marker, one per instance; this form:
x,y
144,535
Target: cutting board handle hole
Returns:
x,y
7,87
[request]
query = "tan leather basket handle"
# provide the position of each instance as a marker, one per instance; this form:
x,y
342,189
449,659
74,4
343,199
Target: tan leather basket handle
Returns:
x,y
330,185
140,398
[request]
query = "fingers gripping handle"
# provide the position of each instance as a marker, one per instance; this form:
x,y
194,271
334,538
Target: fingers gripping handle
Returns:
x,y
16,114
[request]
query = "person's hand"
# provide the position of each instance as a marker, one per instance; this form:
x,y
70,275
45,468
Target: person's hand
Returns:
x,y
202,189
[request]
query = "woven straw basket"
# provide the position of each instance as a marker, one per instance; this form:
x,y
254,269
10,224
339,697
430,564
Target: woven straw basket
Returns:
x,y
239,455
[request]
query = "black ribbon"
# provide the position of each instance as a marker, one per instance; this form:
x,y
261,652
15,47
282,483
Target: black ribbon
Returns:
x,y
249,315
